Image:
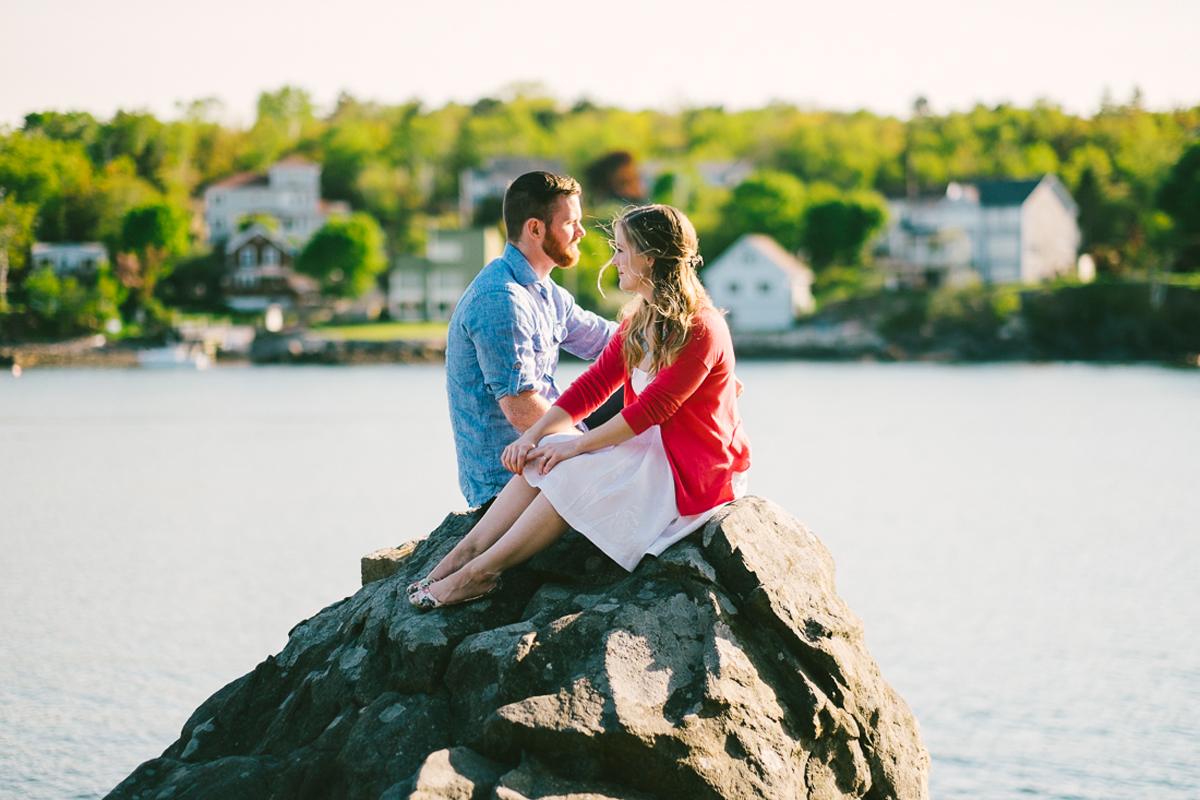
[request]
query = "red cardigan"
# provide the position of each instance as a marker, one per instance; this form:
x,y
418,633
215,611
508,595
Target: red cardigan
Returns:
x,y
694,401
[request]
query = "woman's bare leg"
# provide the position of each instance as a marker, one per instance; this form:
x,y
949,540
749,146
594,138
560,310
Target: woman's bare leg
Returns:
x,y
536,529
505,510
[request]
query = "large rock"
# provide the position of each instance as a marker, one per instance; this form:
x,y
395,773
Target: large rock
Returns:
x,y
727,668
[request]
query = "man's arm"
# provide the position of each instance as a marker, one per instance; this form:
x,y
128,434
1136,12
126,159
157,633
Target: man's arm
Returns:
x,y
524,409
587,333
502,333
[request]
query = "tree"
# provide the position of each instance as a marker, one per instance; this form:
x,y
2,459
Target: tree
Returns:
x,y
152,236
156,224
65,306
837,229
284,118
16,236
1180,198
766,202
54,176
345,255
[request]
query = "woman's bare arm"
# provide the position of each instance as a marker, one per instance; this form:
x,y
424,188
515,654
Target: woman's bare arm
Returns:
x,y
615,431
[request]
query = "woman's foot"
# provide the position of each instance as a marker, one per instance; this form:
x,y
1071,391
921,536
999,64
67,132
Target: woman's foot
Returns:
x,y
460,587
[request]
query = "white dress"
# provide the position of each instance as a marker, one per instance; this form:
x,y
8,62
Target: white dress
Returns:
x,y
622,498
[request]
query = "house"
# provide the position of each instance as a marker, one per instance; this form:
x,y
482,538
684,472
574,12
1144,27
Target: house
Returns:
x,y
994,231
70,258
290,192
762,286
259,272
478,188
428,287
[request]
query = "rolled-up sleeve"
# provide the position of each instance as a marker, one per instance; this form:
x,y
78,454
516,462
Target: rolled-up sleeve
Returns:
x,y
587,333
502,331
589,391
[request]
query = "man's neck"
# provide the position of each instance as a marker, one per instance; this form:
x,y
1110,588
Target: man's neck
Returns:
x,y
542,264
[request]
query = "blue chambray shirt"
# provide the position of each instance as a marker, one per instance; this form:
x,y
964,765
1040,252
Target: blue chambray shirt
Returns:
x,y
503,340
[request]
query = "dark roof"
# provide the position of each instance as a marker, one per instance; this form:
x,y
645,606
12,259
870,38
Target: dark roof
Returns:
x,y
1005,193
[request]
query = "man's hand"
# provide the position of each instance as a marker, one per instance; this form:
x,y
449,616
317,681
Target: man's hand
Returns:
x,y
524,409
514,456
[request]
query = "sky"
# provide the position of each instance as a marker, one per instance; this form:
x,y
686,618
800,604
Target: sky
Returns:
x,y
834,54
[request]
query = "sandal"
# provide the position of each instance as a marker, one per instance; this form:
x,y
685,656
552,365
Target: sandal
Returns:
x,y
424,583
424,600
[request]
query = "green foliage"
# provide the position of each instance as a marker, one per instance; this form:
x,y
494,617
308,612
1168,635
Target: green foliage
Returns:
x,y
65,306
386,332
836,283
837,229
194,284
767,202
1180,199
265,220
1115,321
345,255
16,237
974,312
54,176
401,164
286,119
155,225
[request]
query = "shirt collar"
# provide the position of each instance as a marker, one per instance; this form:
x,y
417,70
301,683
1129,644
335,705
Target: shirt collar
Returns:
x,y
519,266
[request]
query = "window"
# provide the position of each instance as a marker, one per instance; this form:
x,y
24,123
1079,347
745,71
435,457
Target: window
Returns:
x,y
270,255
246,257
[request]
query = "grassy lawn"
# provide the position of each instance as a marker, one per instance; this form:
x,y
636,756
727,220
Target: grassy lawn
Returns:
x,y
386,331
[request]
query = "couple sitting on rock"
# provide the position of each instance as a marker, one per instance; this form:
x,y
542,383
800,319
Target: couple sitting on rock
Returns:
x,y
634,484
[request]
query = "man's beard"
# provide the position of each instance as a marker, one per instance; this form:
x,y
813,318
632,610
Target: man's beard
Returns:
x,y
563,256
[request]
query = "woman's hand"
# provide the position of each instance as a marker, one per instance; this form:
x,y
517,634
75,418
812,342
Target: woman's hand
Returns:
x,y
516,454
554,452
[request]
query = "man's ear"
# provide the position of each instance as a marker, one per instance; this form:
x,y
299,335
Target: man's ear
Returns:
x,y
533,227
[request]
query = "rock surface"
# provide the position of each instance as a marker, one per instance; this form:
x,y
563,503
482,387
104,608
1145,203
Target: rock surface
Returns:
x,y
726,668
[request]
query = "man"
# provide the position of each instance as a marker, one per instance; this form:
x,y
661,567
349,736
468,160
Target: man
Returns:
x,y
504,337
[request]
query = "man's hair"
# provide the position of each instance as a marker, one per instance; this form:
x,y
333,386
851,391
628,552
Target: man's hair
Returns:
x,y
533,196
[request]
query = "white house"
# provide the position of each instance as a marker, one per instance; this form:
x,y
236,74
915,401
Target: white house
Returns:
x,y
429,287
70,258
475,186
996,231
290,192
761,285
259,272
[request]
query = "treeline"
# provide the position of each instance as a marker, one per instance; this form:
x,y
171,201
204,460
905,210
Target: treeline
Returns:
x,y
819,182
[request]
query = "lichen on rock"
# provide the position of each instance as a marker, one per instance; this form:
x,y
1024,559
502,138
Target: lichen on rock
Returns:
x,y
726,668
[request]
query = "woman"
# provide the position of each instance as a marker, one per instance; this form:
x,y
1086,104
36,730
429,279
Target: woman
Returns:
x,y
650,475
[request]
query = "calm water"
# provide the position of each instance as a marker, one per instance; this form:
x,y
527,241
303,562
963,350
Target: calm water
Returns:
x,y
1022,543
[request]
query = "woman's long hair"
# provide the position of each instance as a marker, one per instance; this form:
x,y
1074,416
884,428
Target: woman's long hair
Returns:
x,y
663,325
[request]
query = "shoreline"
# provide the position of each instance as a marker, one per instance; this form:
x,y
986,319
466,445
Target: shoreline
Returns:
x,y
305,350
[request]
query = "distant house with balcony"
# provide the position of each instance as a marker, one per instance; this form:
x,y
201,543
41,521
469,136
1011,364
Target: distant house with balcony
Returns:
x,y
290,192
259,273
762,286
81,259
429,287
482,190
999,232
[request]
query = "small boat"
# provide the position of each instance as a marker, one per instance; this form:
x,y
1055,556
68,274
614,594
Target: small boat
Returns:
x,y
177,355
